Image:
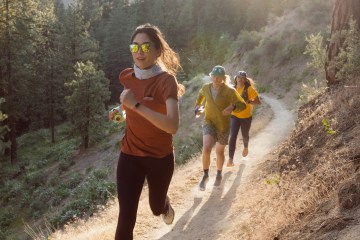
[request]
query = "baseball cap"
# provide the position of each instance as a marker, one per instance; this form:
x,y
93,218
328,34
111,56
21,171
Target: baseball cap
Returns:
x,y
241,74
218,71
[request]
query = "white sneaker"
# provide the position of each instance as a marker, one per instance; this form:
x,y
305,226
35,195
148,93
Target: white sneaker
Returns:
x,y
168,217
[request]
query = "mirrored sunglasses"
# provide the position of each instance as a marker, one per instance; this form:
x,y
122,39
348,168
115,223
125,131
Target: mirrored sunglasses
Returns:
x,y
145,47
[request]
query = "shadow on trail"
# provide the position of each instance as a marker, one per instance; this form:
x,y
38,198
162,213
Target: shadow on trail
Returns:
x,y
215,210
206,222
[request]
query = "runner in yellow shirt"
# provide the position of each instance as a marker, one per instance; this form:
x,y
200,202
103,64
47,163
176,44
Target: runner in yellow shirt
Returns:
x,y
245,87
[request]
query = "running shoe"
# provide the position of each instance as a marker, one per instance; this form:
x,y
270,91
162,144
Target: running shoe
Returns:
x,y
203,183
230,163
168,217
245,152
217,180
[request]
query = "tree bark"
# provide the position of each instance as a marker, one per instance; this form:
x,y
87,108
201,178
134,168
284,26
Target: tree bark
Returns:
x,y
11,121
343,11
52,120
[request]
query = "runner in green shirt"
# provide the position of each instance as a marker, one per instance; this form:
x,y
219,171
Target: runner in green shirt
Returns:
x,y
220,100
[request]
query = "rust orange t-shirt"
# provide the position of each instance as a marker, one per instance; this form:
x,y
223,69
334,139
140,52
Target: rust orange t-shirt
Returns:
x,y
142,138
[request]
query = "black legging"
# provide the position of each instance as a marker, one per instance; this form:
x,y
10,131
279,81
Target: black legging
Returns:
x,y
235,125
131,174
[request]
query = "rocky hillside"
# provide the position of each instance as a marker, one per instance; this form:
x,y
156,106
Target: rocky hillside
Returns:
x,y
323,151
323,154
312,183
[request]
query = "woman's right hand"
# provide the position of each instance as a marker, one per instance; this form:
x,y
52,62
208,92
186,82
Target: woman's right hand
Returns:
x,y
227,111
198,110
112,113
127,98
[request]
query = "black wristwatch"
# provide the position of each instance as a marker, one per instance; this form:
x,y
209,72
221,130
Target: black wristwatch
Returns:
x,y
136,105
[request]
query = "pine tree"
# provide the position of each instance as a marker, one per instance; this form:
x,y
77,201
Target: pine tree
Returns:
x,y
46,96
185,24
116,46
76,44
16,41
86,102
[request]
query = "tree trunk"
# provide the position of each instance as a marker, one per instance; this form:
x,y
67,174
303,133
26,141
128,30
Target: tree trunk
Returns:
x,y
86,141
344,10
87,114
52,120
11,119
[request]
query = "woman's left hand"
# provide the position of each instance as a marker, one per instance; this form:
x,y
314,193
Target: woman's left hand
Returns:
x,y
127,98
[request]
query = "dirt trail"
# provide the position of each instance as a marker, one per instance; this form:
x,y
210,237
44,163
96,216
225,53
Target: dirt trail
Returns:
x,y
199,215
206,215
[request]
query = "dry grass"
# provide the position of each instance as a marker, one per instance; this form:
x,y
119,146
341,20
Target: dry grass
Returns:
x,y
97,227
312,164
267,208
37,233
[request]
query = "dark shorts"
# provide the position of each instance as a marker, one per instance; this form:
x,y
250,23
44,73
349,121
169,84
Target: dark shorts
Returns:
x,y
220,137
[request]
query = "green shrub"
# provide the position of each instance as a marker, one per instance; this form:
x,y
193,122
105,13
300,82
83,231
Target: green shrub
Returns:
x,y
271,46
25,200
311,86
65,164
316,11
44,194
263,88
60,194
185,150
254,57
316,49
65,217
66,149
40,201
54,180
3,233
255,70
35,179
33,138
246,41
6,217
101,174
74,180
86,198
95,190
348,59
11,190
37,208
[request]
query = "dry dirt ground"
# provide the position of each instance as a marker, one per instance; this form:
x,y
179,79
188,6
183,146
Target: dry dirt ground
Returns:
x,y
206,215
199,214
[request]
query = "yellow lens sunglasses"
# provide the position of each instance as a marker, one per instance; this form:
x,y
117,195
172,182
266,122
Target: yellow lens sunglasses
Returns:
x,y
145,47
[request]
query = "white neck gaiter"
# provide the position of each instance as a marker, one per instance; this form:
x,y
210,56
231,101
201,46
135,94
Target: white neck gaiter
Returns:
x,y
147,73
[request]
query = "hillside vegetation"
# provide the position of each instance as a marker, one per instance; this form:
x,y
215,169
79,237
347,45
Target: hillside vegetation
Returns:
x,y
310,186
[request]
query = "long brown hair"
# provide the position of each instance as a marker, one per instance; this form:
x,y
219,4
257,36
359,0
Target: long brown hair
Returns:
x,y
168,58
248,82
